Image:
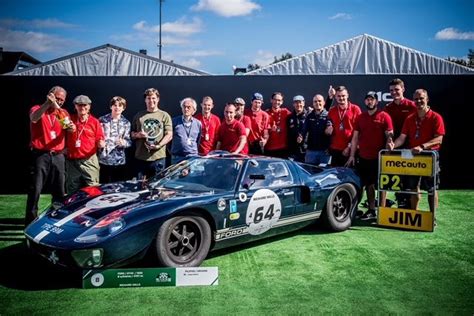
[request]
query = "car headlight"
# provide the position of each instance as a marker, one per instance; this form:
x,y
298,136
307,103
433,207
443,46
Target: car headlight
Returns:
x,y
107,227
88,258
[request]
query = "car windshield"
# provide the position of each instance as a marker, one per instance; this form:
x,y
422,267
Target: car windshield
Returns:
x,y
200,174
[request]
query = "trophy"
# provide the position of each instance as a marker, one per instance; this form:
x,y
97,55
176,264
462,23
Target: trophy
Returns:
x,y
153,129
63,118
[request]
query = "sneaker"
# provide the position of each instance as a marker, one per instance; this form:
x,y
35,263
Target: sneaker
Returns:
x,y
370,214
359,214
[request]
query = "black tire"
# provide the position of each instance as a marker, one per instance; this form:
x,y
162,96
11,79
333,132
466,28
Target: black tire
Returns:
x,y
340,207
183,241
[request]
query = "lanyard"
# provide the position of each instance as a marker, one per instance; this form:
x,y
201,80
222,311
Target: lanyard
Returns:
x,y
187,127
206,123
82,129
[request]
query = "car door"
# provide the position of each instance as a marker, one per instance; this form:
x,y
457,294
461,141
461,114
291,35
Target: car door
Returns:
x,y
264,196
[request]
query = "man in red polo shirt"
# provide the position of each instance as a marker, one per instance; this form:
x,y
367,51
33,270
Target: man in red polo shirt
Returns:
x,y
372,131
258,135
399,109
231,135
343,116
48,125
210,126
82,164
277,145
423,130
244,119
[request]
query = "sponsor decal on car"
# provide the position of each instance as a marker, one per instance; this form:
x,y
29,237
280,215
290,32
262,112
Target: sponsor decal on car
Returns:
x,y
221,204
242,197
233,206
230,233
263,211
234,216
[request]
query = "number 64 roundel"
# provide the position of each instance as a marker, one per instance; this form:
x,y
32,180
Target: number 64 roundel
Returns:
x,y
263,211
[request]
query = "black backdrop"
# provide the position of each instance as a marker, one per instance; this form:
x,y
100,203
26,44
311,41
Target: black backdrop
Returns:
x,y
449,95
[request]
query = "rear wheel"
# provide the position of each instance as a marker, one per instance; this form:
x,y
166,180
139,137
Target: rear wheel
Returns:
x,y
183,241
340,207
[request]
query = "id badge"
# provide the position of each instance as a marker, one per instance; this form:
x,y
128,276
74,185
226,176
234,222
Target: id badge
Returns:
x,y
341,126
53,134
206,137
78,143
190,141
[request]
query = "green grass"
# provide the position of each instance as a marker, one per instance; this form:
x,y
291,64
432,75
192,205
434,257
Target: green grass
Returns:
x,y
365,270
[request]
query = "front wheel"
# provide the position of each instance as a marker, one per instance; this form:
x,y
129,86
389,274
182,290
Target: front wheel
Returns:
x,y
340,207
183,241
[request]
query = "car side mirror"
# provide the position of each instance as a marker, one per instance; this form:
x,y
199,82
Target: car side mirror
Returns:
x,y
253,178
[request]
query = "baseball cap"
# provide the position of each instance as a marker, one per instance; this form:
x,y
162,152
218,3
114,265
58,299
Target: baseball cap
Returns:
x,y
82,99
371,94
239,101
298,98
257,96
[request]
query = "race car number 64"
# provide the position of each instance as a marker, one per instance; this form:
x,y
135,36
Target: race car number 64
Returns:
x,y
263,211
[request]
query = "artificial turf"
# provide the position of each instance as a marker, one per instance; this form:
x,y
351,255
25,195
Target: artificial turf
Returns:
x,y
365,270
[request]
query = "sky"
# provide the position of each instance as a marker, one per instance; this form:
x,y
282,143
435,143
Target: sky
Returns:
x,y
215,35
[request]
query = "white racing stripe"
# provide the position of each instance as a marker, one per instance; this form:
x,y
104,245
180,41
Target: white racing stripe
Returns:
x,y
71,216
41,235
60,223
103,201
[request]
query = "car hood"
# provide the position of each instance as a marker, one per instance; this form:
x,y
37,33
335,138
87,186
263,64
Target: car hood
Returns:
x,y
91,205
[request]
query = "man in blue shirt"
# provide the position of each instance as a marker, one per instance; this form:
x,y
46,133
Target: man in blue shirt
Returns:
x,y
316,132
186,132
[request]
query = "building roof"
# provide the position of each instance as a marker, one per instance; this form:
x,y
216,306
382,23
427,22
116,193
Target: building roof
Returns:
x,y
11,61
108,60
363,54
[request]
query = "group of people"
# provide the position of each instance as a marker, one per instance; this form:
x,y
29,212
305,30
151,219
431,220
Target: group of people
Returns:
x,y
72,151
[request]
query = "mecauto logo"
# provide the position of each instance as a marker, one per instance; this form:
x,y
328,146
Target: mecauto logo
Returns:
x,y
405,164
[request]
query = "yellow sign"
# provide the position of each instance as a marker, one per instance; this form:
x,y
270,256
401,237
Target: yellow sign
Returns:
x,y
390,182
416,166
407,219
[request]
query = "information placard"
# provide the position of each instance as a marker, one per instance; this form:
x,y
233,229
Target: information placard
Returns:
x,y
146,277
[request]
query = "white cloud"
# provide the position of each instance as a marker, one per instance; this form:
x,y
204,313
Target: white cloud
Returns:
x,y
341,16
33,42
36,23
179,27
263,58
451,33
227,8
191,63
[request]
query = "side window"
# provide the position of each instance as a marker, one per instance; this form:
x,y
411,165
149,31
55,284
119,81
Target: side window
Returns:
x,y
280,175
276,174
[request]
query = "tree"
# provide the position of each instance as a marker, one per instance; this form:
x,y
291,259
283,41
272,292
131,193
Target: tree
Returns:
x,y
251,67
282,58
470,58
460,61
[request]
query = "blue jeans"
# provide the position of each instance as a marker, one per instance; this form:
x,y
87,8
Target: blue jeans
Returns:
x,y
317,157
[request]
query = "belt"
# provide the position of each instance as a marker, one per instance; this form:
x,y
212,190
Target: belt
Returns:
x,y
49,152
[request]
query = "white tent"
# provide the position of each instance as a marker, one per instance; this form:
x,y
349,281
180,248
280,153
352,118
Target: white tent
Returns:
x,y
107,60
364,54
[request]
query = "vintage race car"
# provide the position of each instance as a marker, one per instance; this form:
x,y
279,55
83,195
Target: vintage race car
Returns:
x,y
200,204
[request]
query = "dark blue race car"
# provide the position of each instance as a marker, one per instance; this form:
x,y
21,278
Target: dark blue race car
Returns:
x,y
190,208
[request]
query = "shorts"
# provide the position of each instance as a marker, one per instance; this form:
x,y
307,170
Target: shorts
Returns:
x,y
424,183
